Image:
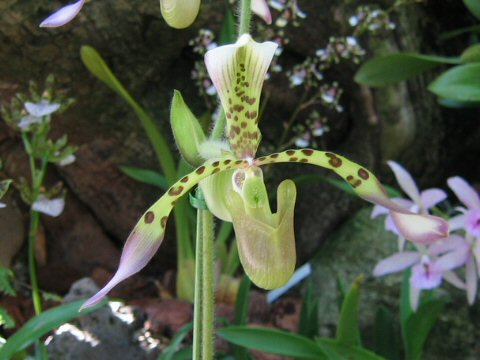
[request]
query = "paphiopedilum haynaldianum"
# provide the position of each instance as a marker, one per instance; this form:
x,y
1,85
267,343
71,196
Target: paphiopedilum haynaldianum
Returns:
x,y
233,185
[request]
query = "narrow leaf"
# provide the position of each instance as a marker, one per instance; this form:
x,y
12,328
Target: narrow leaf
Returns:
x,y
42,324
473,6
227,32
385,335
169,352
309,325
471,54
459,83
348,331
337,350
394,68
273,341
146,176
241,314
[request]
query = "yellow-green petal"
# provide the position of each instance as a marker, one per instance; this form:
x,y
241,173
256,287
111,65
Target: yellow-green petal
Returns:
x,y
238,71
179,14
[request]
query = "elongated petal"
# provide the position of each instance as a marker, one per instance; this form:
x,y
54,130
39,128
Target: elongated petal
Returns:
x,y
414,296
453,259
179,14
453,279
414,227
238,72
405,181
432,197
260,7
41,108
148,233
378,210
457,222
466,193
267,251
63,15
450,243
397,262
471,280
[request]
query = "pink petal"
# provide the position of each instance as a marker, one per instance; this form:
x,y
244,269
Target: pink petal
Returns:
x,y
414,297
453,279
466,193
137,252
450,243
397,262
425,276
432,197
405,181
63,15
378,210
472,222
471,280
423,229
457,222
452,260
260,7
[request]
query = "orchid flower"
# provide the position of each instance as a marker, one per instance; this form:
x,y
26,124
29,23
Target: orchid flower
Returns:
x,y
431,265
419,203
177,13
232,180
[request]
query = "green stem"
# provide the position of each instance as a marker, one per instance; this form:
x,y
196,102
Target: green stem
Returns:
x,y
203,320
245,16
32,236
208,292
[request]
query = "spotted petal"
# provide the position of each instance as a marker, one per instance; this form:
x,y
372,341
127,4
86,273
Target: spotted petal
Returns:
x,y
63,15
266,241
414,227
238,71
148,234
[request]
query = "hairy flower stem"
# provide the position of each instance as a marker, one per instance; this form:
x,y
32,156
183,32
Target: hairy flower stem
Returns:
x,y
203,323
245,16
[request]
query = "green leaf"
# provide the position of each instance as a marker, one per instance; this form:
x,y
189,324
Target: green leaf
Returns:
x,y
227,33
42,324
394,68
187,131
473,6
273,341
471,54
97,66
309,325
169,352
4,185
5,319
146,176
241,314
416,326
459,83
6,277
340,351
348,330
456,104
385,335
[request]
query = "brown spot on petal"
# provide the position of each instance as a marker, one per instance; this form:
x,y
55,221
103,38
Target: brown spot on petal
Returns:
x,y
363,174
163,221
215,170
228,161
149,217
293,159
261,158
274,156
174,191
215,163
200,170
290,152
335,161
184,179
238,108
304,160
307,152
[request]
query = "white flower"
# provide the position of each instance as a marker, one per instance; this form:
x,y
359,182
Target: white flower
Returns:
x,y
51,207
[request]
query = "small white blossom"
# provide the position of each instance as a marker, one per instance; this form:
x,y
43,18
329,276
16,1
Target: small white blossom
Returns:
x,y
51,207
